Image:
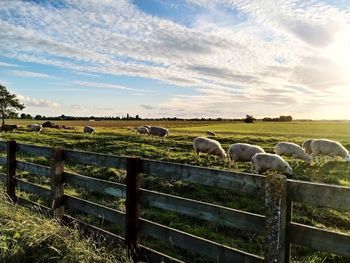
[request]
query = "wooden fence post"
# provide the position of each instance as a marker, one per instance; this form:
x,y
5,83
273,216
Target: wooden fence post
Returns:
x,y
133,169
289,218
11,171
57,167
276,211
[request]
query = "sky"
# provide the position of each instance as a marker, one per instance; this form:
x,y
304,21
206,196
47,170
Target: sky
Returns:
x,y
185,58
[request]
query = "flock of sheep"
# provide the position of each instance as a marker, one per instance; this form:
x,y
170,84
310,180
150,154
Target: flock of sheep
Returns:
x,y
262,161
244,152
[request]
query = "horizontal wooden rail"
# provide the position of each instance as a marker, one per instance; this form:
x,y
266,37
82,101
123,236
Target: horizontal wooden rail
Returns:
x,y
3,160
326,195
319,239
34,150
33,188
36,169
96,185
149,254
213,213
197,245
106,213
98,159
239,182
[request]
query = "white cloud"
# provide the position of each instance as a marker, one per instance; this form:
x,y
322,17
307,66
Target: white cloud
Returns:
x,y
30,74
105,85
10,65
32,102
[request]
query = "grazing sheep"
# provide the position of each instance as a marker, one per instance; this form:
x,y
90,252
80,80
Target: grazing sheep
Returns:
x,y
89,129
8,127
243,152
210,133
328,147
147,126
142,130
306,146
266,161
209,146
292,149
158,131
35,127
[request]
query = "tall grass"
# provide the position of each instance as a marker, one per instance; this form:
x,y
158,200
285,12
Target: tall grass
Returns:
x,y
26,236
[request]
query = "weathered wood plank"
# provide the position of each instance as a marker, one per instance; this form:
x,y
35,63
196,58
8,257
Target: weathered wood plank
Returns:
x,y
319,239
33,188
205,211
275,214
3,146
57,183
240,182
108,214
36,169
213,213
96,185
34,150
98,159
326,195
197,245
11,170
3,160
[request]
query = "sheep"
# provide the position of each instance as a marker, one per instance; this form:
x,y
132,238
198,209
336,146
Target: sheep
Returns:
x,y
142,130
306,146
243,152
147,126
8,127
158,131
328,147
266,161
209,146
292,149
210,133
89,129
35,127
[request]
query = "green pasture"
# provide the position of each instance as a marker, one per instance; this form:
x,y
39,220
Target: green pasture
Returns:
x,y
118,138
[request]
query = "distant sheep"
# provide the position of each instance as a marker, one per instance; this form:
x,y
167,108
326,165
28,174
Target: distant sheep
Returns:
x,y
142,130
262,162
158,131
306,146
8,127
147,126
209,146
210,133
89,129
243,152
292,149
35,127
328,147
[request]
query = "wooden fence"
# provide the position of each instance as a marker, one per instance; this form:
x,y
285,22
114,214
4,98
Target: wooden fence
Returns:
x,y
276,225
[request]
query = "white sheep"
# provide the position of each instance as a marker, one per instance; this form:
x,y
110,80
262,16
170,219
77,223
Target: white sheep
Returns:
x,y
142,130
328,147
158,131
266,161
306,146
209,146
243,152
35,127
292,149
89,129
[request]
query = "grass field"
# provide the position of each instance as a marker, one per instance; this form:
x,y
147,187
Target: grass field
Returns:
x,y
115,137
